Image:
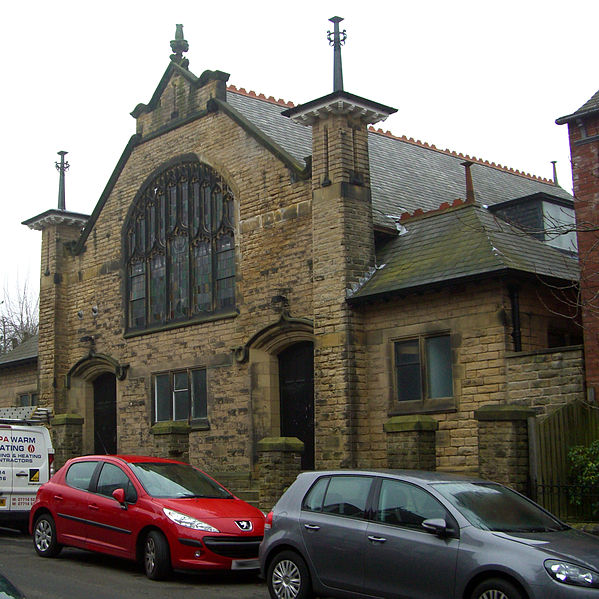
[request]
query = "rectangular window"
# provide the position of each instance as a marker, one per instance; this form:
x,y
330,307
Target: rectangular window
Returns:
x,y
180,395
423,368
27,399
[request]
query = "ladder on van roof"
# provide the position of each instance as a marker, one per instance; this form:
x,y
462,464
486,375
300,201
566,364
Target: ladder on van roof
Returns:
x,y
25,415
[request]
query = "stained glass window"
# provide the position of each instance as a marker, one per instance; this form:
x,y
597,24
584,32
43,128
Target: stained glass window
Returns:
x,y
180,247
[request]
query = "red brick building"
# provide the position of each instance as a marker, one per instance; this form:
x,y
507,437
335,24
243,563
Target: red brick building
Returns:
x,y
583,131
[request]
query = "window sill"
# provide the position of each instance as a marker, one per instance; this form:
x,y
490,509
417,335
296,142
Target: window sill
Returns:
x,y
200,424
427,406
182,323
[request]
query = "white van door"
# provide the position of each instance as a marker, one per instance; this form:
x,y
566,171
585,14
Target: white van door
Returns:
x,y
25,458
31,466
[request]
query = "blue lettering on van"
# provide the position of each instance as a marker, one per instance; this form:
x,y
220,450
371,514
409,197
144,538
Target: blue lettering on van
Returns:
x,y
12,448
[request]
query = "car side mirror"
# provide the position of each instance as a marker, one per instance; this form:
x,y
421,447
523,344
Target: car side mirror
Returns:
x,y
119,495
437,526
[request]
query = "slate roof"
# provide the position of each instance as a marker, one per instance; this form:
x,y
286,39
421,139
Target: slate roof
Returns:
x,y
457,244
26,352
589,108
405,175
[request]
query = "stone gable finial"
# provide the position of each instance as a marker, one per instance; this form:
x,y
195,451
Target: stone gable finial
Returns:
x,y
178,46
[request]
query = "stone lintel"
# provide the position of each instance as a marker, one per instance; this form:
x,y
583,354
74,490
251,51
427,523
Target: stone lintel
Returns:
x,y
412,422
64,419
281,444
170,427
491,413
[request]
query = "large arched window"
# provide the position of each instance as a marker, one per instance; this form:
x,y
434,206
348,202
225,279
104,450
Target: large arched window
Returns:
x,y
180,248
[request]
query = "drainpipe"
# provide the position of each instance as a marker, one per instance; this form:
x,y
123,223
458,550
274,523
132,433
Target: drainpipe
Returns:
x,y
516,329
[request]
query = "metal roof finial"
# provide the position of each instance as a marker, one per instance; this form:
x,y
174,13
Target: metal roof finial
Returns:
x,y
62,168
178,46
337,39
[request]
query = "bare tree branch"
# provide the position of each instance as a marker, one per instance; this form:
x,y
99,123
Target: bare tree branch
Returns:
x,y
19,317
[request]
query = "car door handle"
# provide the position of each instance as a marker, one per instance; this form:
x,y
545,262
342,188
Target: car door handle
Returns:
x,y
57,497
93,506
377,539
21,474
311,527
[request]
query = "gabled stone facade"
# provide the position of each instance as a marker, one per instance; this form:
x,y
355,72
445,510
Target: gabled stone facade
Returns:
x,y
322,268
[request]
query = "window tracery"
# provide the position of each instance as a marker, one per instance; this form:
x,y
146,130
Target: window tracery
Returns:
x,y
180,248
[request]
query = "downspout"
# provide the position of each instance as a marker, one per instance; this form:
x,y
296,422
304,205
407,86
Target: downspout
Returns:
x,y
516,328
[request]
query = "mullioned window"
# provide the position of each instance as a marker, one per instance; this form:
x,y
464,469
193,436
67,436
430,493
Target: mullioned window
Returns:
x,y
180,248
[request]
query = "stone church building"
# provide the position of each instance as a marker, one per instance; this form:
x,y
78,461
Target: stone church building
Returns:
x,y
264,287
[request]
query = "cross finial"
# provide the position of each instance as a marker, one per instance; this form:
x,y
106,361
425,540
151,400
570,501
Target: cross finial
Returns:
x,y
62,168
178,46
337,39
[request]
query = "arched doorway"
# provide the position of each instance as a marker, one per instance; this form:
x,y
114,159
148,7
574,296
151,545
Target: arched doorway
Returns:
x,y
296,393
92,393
105,413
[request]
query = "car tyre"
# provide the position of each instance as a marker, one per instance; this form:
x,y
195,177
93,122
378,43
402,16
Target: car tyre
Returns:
x,y
288,577
496,588
44,536
157,560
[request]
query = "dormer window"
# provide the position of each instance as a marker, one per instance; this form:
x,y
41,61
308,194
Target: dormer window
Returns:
x,y
180,248
545,217
559,226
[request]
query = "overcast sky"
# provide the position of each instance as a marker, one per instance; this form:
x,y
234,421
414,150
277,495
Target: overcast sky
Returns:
x,y
483,78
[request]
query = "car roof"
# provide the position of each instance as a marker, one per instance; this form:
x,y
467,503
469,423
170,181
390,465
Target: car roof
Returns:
x,y
416,476
130,459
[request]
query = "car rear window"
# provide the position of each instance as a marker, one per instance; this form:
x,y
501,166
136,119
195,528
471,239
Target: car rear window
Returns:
x,y
79,475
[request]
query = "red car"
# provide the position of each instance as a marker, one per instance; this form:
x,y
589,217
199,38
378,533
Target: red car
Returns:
x,y
163,513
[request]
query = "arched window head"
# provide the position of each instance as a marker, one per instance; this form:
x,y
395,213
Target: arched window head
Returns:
x,y
180,248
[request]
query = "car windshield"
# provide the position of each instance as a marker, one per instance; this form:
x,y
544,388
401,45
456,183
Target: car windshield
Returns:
x,y
172,480
490,506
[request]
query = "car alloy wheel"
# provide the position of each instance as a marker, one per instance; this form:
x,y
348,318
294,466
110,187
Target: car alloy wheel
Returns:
x,y
44,536
288,577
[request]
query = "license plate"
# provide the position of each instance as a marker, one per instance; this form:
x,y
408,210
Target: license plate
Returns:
x,y
245,564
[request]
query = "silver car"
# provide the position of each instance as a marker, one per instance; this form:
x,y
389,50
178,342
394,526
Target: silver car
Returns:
x,y
409,534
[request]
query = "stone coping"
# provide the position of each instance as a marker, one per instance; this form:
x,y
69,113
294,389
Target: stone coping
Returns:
x,y
491,413
281,444
64,419
412,422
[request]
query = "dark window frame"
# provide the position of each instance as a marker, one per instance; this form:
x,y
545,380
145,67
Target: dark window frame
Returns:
x,y
424,403
196,409
179,249
31,399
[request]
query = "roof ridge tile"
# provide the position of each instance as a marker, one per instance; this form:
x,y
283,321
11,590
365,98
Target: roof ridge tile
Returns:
x,y
260,96
481,161
444,207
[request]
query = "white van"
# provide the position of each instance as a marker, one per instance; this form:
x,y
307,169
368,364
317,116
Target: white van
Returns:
x,y
26,462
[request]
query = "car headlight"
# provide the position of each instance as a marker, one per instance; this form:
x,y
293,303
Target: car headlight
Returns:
x,y
188,521
572,574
